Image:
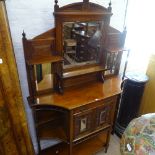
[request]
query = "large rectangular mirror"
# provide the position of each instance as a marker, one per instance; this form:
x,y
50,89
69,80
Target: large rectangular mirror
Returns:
x,y
81,43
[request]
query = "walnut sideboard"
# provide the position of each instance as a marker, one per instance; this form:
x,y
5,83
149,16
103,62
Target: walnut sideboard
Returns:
x,y
90,112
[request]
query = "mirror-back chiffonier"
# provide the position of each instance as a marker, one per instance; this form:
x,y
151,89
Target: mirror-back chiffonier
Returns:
x,y
73,68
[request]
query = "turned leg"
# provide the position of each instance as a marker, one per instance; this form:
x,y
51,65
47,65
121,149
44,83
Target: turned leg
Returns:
x,y
70,148
107,141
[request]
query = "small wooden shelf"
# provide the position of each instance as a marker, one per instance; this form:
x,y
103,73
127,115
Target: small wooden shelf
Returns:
x,y
56,132
42,60
83,71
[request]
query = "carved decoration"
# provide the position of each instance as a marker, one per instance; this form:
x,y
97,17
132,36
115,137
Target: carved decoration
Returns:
x,y
110,8
82,6
56,6
85,1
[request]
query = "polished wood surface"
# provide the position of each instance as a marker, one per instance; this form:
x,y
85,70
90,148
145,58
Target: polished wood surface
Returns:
x,y
94,103
14,134
83,94
43,60
82,71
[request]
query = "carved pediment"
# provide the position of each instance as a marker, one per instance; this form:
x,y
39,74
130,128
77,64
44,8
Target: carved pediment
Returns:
x,y
83,7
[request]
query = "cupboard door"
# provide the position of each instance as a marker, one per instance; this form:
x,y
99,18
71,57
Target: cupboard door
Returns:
x,y
103,115
83,123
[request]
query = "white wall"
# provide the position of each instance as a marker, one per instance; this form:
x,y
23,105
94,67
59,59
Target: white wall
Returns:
x,y
141,32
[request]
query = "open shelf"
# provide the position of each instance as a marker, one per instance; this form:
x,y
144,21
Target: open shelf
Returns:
x,y
90,146
42,60
83,71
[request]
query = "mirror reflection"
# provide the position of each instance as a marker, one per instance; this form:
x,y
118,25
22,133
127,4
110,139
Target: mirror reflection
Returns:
x,y
81,43
43,76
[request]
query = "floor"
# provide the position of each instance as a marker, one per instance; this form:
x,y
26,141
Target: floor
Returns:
x,y
114,147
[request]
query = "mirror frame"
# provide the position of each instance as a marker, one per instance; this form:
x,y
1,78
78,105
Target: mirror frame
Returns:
x,y
80,12
83,43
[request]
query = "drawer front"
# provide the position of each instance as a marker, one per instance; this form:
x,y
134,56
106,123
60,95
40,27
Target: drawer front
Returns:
x,y
59,149
83,123
95,104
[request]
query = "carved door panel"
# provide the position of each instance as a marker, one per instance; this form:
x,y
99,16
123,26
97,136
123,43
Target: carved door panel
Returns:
x,y
83,123
103,115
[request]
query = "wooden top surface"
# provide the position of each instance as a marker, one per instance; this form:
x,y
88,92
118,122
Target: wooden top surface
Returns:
x,y
42,60
83,94
83,71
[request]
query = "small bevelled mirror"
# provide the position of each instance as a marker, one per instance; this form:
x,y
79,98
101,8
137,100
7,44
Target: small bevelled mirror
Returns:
x,y
43,77
81,43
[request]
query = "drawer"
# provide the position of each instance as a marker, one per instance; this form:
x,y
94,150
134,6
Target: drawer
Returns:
x,y
95,104
58,149
82,123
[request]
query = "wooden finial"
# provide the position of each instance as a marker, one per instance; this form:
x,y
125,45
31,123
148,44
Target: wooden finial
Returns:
x,y
110,8
24,34
85,5
56,6
85,1
56,2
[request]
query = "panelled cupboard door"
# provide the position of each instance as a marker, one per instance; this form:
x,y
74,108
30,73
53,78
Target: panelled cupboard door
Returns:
x,y
83,123
103,115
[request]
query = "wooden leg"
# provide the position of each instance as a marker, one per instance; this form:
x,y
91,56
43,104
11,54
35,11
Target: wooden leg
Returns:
x,y
115,115
70,148
107,141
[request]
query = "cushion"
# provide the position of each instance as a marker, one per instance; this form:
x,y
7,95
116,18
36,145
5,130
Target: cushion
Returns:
x,y
139,136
